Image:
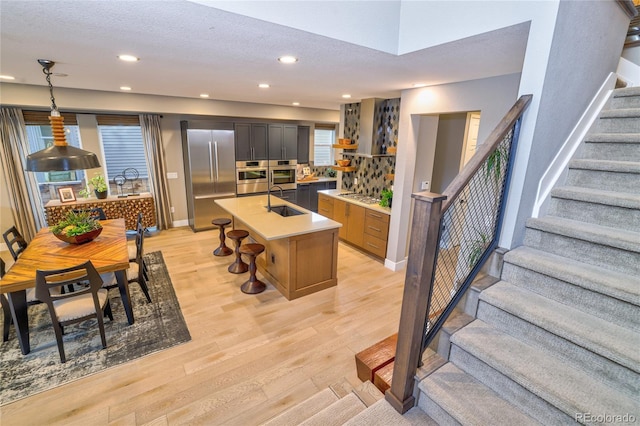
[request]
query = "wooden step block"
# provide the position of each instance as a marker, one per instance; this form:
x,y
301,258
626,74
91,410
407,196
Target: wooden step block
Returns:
x,y
382,377
375,357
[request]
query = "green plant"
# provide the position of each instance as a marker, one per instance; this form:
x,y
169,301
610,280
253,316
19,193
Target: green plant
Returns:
x,y
477,248
329,172
96,183
386,197
76,223
494,163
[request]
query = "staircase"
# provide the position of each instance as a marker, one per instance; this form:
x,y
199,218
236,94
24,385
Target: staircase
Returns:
x,y
556,340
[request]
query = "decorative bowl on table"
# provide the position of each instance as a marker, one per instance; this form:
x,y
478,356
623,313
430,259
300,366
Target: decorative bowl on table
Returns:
x,y
79,239
77,227
343,163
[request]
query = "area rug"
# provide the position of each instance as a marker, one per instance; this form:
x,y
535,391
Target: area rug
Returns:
x,y
158,325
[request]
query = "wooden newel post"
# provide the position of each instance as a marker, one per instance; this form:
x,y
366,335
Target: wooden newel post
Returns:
x,y
417,288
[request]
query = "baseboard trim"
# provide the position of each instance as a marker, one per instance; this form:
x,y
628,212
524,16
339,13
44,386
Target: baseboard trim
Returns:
x,y
179,223
395,266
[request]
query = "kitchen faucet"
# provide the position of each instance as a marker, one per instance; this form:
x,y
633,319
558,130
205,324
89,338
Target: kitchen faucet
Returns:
x,y
269,195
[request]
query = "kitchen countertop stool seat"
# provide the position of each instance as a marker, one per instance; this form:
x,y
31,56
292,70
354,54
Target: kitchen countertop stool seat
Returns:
x,y
252,285
222,250
238,267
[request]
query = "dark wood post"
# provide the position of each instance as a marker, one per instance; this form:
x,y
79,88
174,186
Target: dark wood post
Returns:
x,y
417,288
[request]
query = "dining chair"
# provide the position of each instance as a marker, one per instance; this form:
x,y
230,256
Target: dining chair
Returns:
x,y
136,272
15,242
87,302
6,311
133,248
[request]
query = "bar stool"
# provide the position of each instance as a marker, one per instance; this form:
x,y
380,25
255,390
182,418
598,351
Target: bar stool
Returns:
x,y
223,250
237,235
253,285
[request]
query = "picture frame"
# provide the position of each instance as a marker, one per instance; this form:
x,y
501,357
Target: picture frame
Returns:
x,y
66,195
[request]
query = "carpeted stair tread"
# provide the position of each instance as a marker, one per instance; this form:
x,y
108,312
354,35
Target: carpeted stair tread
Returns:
x,y
630,138
337,413
567,388
606,165
599,196
383,414
305,409
620,113
626,91
469,401
597,335
604,235
594,278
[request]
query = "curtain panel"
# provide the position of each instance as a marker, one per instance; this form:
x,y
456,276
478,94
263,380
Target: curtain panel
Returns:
x,y
152,136
23,191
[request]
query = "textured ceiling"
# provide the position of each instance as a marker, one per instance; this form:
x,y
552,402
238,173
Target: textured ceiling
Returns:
x,y
188,48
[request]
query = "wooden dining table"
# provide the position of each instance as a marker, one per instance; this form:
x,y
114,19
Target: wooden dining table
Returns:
x,y
108,253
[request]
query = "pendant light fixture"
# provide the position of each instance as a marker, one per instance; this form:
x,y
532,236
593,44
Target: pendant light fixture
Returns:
x,y
60,156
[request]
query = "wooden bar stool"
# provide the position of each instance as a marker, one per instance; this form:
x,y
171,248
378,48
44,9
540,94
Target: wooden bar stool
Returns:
x,y
237,235
223,250
253,285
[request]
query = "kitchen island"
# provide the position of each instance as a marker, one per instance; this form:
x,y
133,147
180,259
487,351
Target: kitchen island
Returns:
x,y
301,251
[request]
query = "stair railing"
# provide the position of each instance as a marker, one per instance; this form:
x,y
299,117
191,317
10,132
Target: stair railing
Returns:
x,y
452,235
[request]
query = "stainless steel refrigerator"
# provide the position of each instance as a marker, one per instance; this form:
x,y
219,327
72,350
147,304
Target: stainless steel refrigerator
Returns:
x,y
209,165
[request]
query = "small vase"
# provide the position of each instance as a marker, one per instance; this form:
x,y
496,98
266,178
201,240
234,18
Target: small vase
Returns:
x,y
101,194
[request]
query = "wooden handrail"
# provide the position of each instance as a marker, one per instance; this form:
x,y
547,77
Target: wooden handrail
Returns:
x,y
484,150
423,251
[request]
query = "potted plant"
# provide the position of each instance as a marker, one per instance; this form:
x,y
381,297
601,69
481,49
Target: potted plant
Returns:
x,y
386,197
99,185
77,227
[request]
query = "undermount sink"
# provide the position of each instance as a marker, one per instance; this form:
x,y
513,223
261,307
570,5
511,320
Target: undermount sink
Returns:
x,y
286,211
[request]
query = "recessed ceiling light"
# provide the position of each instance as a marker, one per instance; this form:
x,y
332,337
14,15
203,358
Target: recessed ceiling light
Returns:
x,y
128,58
125,88
346,96
288,59
263,85
419,84
7,77
295,103
204,95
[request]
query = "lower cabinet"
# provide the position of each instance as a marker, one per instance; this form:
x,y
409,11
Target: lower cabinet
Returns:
x,y
362,227
307,194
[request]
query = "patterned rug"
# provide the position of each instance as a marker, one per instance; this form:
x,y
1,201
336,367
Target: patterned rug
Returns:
x,y
158,325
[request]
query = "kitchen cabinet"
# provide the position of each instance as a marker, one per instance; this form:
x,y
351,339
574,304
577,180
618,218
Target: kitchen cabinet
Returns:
x,y
303,144
302,196
376,232
283,142
352,218
251,142
363,227
325,205
307,194
289,195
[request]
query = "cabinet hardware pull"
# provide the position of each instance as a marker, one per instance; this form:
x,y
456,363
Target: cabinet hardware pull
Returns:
x,y
375,215
373,245
375,229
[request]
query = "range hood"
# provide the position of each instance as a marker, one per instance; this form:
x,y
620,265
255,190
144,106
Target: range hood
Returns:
x,y
371,127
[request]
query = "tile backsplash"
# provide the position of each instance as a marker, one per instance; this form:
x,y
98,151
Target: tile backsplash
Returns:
x,y
370,173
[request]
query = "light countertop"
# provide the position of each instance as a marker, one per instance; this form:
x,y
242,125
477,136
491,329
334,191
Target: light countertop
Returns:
x,y
318,180
271,226
335,193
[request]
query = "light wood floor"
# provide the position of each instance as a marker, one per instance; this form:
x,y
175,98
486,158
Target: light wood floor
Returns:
x,y
250,357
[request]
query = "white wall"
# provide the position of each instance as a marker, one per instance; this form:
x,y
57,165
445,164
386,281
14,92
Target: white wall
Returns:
x,y
416,145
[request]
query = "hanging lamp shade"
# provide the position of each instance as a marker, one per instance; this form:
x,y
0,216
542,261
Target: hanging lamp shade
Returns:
x,y
60,156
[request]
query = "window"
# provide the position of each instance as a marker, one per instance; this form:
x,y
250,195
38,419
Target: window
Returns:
x,y
123,149
323,139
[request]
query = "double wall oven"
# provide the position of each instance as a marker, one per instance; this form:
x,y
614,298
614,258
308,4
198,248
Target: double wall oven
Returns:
x,y
253,177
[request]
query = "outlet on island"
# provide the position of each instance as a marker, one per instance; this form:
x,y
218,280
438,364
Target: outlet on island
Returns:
x,y
355,181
